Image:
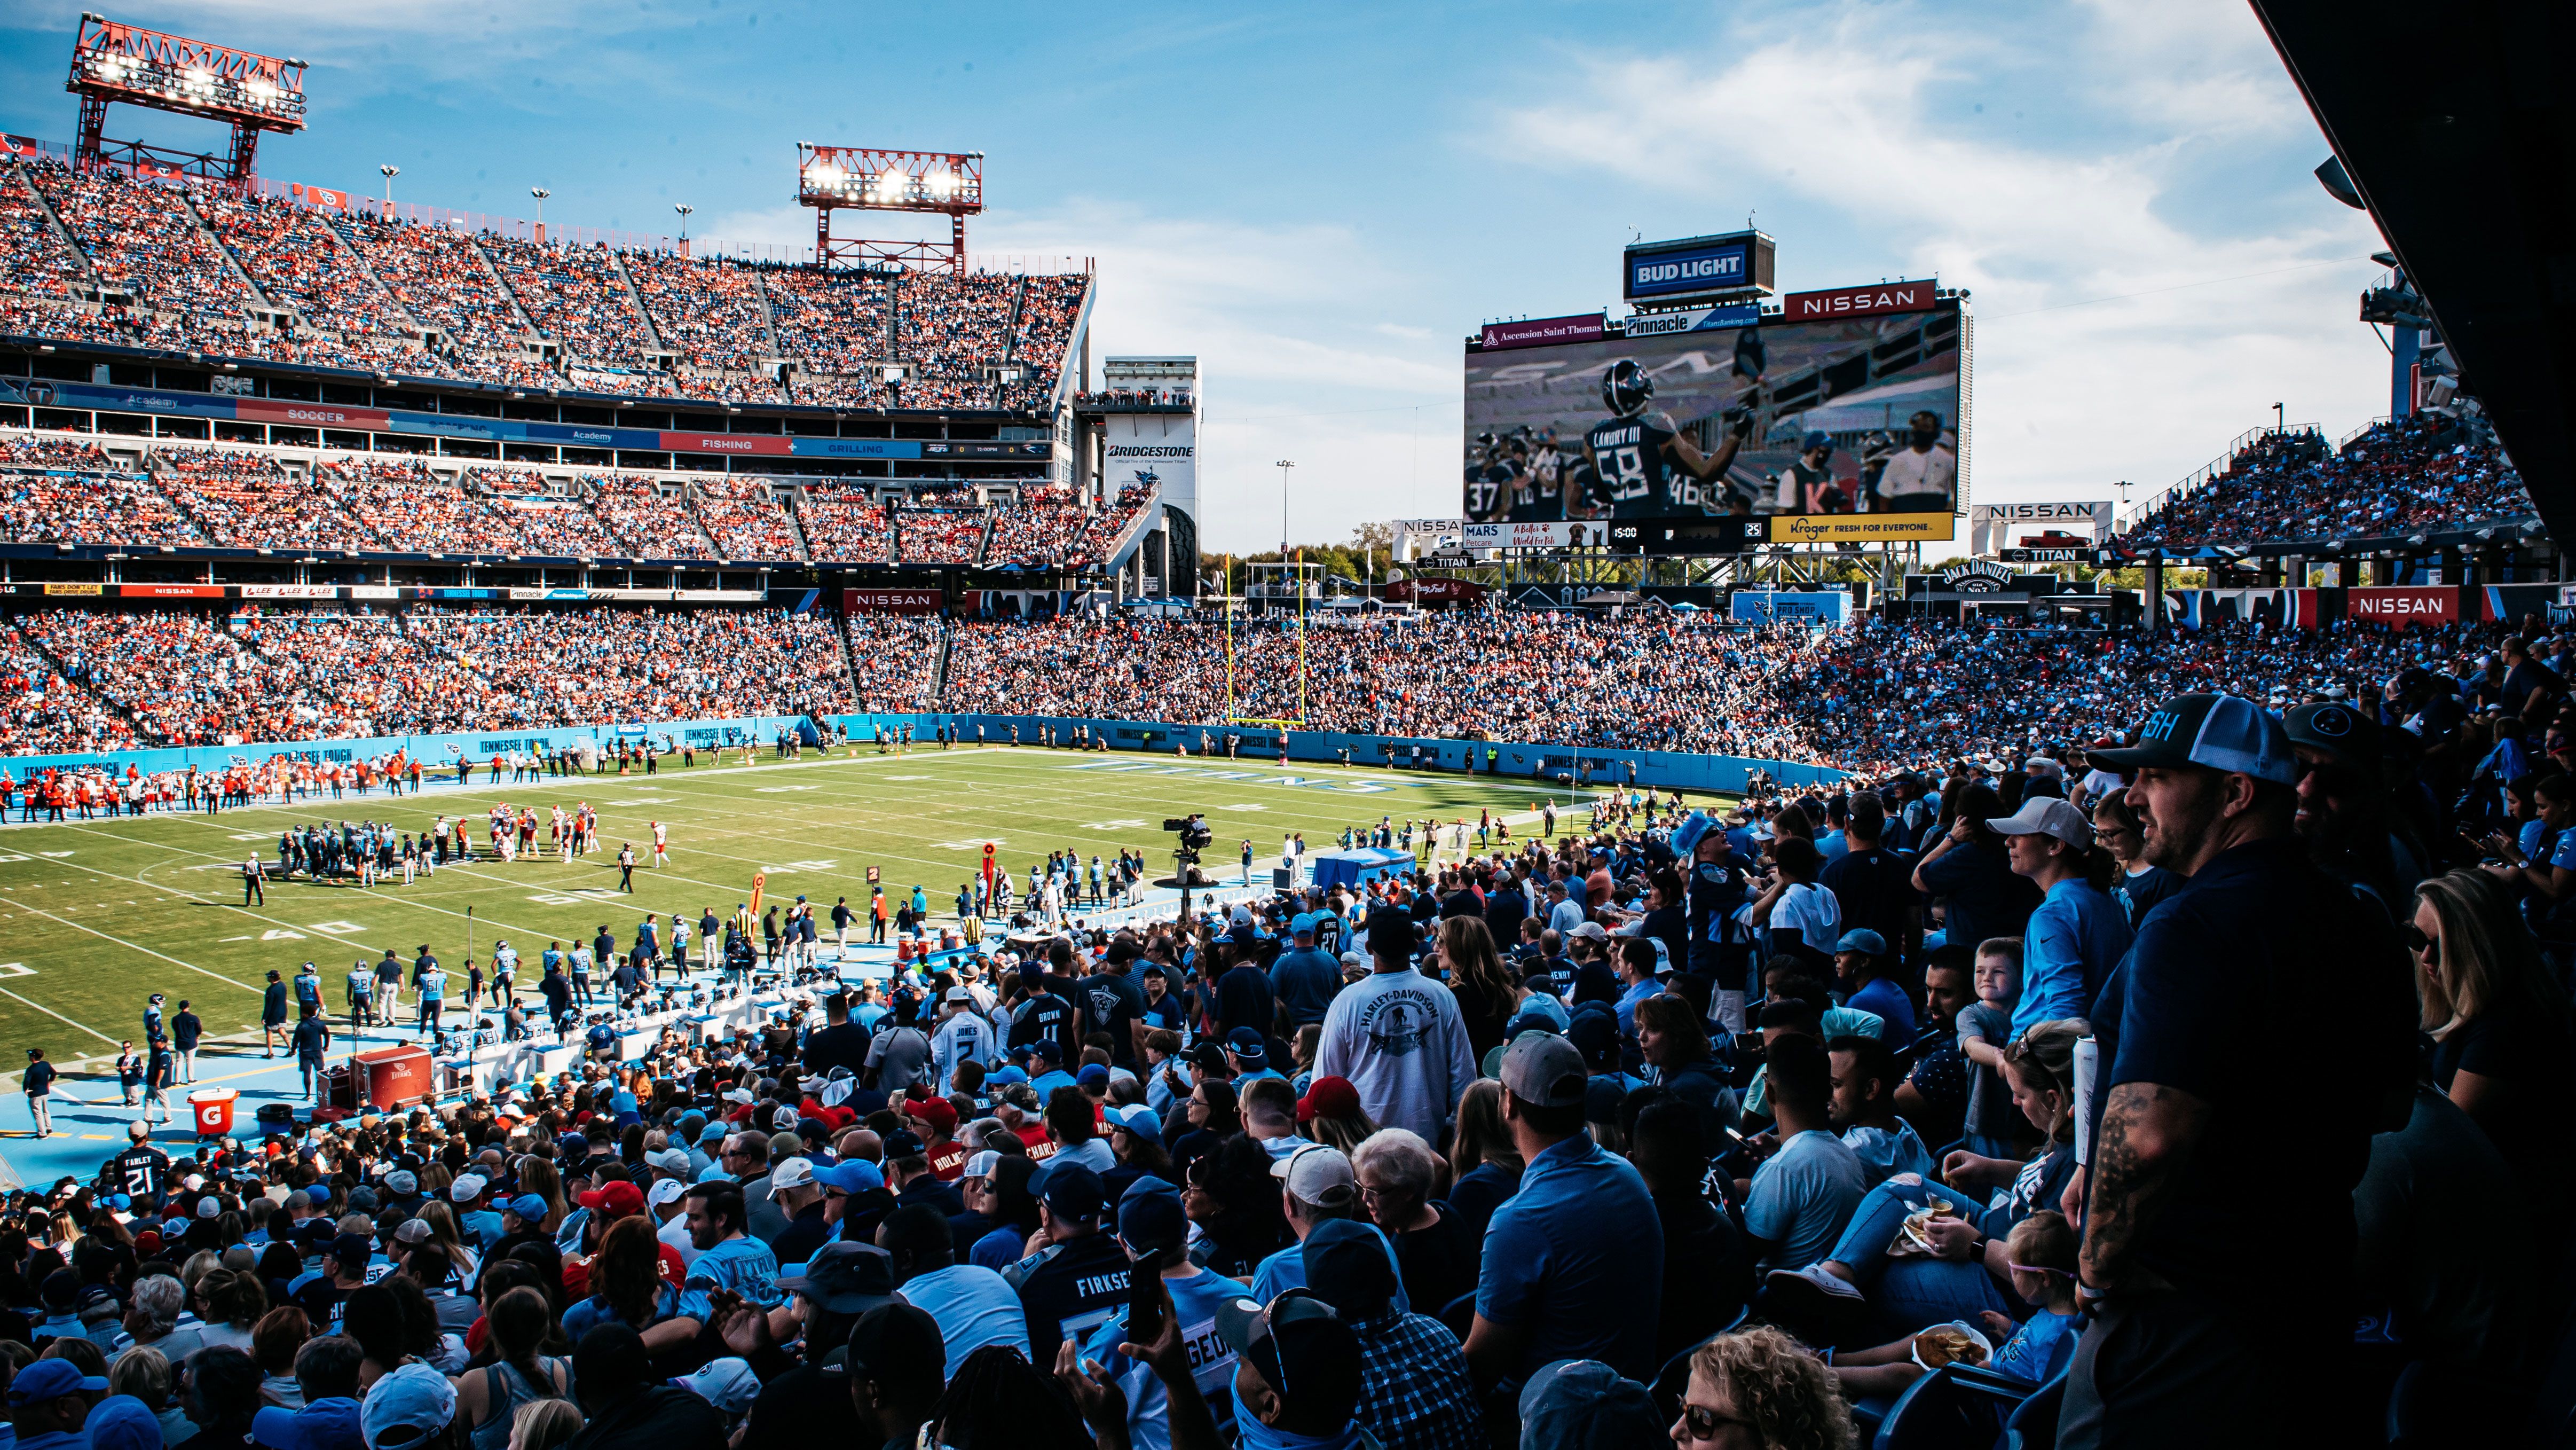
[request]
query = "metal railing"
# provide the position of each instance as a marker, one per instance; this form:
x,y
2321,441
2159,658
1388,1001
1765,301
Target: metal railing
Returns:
x,y
2191,482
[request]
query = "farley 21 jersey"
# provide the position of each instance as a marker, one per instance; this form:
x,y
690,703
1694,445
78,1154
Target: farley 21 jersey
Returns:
x,y
1634,472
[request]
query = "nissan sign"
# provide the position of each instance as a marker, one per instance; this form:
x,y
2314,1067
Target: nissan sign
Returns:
x,y
1859,301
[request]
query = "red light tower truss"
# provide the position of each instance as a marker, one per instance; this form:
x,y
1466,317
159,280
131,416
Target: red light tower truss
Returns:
x,y
112,62
858,178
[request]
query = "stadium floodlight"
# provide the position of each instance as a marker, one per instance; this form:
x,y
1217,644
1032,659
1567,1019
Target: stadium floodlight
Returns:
x,y
684,209
114,62
833,178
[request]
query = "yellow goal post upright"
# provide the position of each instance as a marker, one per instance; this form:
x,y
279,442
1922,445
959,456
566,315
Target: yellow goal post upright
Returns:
x,y
1284,591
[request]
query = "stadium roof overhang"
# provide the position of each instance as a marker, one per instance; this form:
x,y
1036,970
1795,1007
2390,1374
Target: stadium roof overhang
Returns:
x,y
2458,128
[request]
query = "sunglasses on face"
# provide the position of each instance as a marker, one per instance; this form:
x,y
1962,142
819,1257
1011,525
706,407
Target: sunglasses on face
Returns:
x,y
1703,1423
2427,947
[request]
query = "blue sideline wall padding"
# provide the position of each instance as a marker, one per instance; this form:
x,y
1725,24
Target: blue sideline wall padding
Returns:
x,y
1663,769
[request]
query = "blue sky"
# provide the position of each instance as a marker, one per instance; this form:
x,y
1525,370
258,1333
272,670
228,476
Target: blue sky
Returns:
x,y
1321,201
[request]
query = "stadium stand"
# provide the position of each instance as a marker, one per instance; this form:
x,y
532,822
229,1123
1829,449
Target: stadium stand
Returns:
x,y
441,278
413,510
744,519
647,522
44,712
942,535
2432,470
897,660
144,239
844,526
711,313
297,258
523,507
248,500
61,491
38,258
836,330
581,666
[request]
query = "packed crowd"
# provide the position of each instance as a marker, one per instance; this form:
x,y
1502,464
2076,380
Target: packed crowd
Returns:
x,y
844,526
295,256
179,677
54,489
244,500
44,713
2436,468
708,311
521,506
648,523
942,535
1650,1128
1048,528
143,239
897,658
434,300
34,257
744,518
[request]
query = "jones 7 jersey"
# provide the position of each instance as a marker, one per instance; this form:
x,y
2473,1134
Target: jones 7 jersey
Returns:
x,y
1634,470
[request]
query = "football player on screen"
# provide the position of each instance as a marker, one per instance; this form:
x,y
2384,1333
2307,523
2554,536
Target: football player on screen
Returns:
x,y
1537,499
1489,482
1642,464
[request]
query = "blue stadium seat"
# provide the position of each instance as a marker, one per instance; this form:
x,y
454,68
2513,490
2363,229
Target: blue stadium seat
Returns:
x,y
2033,1424
1674,1378
1955,1407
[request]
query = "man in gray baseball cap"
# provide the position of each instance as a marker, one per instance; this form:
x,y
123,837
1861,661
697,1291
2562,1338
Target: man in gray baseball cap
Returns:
x,y
2189,1158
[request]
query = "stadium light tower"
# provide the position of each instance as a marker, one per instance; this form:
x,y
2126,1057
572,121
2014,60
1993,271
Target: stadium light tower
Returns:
x,y
541,193
113,61
684,209
852,178
390,171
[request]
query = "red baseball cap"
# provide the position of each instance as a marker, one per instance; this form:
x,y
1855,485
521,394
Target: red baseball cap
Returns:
x,y
616,1199
937,1112
1334,1097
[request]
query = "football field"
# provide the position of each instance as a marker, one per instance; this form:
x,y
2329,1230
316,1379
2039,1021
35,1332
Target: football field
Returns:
x,y
96,915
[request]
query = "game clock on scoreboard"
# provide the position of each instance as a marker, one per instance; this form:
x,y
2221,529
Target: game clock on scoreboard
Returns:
x,y
1688,536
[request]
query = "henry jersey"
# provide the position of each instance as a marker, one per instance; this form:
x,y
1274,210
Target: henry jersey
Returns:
x,y
1633,472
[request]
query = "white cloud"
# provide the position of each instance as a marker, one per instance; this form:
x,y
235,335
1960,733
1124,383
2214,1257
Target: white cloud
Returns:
x,y
2067,398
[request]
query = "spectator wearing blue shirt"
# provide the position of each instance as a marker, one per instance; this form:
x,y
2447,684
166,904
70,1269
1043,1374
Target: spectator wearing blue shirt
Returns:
x,y
1861,962
1574,1262
728,1257
2079,933
1317,1186
1799,1199
1305,977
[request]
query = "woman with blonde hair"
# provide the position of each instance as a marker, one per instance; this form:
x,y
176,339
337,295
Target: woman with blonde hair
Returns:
x,y
544,1424
443,1231
1760,1387
2499,1023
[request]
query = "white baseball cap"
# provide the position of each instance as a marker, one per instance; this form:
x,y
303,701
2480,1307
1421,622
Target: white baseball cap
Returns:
x,y
792,1173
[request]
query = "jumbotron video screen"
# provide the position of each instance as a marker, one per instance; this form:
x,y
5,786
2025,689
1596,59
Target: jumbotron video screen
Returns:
x,y
1851,416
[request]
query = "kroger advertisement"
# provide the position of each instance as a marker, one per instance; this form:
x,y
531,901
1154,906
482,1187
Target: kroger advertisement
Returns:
x,y
1844,431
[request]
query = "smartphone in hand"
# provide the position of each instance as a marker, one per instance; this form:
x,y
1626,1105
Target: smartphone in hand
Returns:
x,y
1144,1300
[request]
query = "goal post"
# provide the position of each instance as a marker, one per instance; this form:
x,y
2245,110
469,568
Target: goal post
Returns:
x,y
1284,591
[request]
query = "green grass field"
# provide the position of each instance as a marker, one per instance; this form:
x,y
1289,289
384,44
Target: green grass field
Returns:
x,y
99,914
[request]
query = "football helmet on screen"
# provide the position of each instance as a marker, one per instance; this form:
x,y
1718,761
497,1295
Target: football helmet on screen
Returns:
x,y
1627,388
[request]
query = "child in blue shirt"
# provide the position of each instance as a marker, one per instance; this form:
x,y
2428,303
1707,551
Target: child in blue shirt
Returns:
x,y
2041,1251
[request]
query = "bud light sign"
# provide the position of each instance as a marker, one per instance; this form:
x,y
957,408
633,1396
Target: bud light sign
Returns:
x,y
1735,262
